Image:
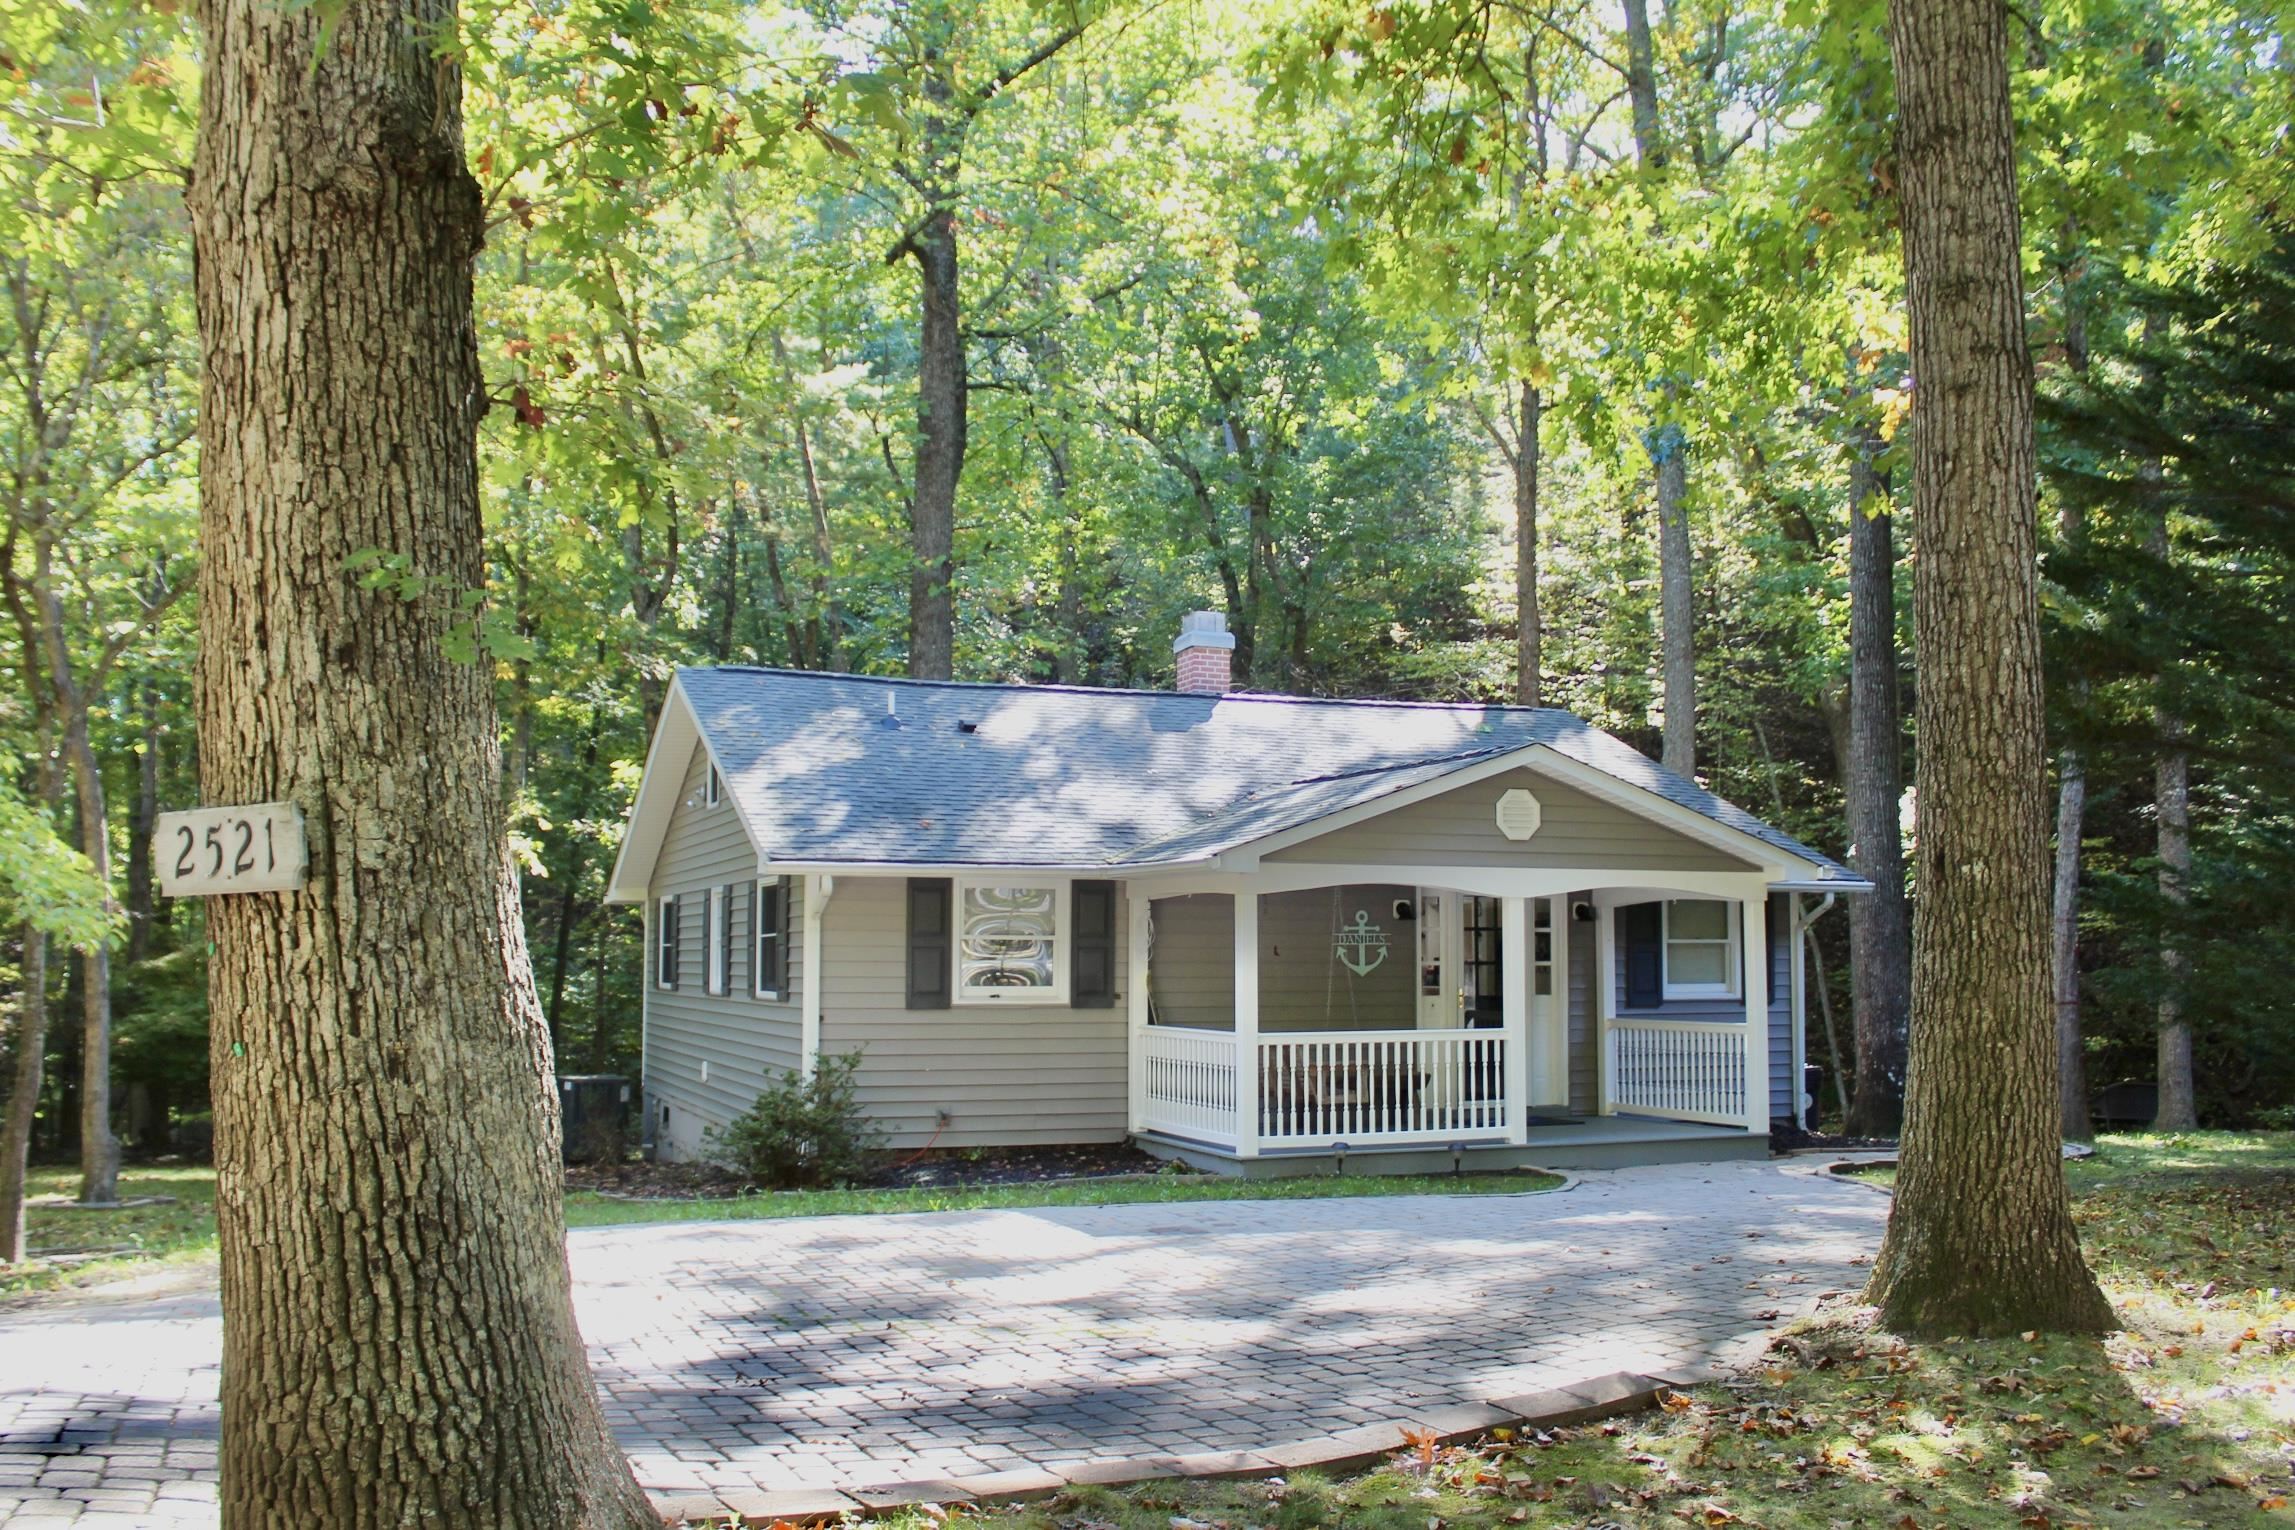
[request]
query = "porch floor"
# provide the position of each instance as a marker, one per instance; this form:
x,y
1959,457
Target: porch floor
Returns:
x,y
1597,1142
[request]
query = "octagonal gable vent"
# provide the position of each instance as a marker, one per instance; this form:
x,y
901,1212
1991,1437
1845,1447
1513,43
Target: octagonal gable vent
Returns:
x,y
1518,814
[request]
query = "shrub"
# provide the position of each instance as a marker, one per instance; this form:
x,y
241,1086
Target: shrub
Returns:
x,y
803,1132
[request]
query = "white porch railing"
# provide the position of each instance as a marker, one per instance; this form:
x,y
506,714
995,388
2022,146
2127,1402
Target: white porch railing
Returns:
x,y
1688,1070
1191,1083
1366,1087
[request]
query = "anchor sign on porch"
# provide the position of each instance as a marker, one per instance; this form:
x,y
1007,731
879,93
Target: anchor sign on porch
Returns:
x,y
1361,946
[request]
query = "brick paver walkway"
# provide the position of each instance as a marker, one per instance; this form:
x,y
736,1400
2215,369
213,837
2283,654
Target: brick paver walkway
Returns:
x,y
843,1351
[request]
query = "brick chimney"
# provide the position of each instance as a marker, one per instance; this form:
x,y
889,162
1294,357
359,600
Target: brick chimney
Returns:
x,y
1204,648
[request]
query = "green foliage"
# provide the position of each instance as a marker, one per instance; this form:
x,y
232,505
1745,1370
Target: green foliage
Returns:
x,y
803,1132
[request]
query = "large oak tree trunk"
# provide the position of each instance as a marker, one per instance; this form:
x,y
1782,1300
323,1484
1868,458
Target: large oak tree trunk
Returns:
x,y
1980,1238
940,381
1677,600
399,1339
1880,930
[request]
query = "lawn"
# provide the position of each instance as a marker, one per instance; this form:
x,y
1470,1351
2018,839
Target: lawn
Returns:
x,y
122,1243
2185,1419
133,1240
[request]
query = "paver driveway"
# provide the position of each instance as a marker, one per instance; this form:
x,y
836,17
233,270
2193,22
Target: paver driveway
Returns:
x,y
842,1351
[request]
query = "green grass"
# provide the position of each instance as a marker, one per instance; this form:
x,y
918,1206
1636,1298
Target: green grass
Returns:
x,y
144,1236
587,1209
2187,1418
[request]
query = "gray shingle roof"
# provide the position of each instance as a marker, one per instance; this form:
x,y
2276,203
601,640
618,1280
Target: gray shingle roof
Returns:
x,y
857,769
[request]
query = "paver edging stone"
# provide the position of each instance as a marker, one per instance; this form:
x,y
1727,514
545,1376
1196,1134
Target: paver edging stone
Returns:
x,y
1579,1402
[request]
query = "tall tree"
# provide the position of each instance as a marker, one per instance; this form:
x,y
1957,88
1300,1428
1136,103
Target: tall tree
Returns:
x,y
1980,1238
1880,933
399,1338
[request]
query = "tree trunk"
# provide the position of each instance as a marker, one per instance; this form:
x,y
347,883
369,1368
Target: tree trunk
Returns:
x,y
1530,634
1880,931
1677,599
939,454
31,1046
1980,1239
2064,949
399,1343
142,819
2171,795
1641,86
99,1148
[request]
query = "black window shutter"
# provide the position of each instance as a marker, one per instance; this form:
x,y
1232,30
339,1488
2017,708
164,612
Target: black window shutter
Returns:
x,y
1644,929
676,938
930,942
1092,959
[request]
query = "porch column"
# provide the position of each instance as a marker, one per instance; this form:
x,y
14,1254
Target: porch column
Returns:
x,y
1756,926
1136,1004
1517,956
1246,1025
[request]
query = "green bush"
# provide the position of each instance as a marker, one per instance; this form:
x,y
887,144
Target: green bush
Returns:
x,y
803,1133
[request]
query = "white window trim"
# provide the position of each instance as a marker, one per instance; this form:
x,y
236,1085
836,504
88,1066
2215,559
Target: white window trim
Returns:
x,y
665,943
1063,934
713,788
1732,953
717,969
757,936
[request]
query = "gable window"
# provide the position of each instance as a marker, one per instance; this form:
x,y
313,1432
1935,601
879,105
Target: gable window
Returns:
x,y
665,944
713,792
718,948
1701,949
769,916
1011,942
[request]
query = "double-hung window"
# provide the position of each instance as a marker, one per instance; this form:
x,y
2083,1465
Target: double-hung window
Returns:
x,y
1012,940
769,919
1701,944
665,944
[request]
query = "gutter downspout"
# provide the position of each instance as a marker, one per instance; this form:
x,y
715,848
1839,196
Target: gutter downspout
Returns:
x,y
818,891
1801,925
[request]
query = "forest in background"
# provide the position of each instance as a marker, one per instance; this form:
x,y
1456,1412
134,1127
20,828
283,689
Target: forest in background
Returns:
x,y
1466,351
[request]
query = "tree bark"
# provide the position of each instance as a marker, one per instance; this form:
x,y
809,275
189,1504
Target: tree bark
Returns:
x,y
142,819
940,433
1530,634
1980,1238
31,1047
1880,929
399,1337
2171,796
2064,949
1677,598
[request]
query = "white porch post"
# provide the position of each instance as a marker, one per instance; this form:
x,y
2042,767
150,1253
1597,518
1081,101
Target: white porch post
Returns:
x,y
1136,1003
1246,1024
1756,923
1516,956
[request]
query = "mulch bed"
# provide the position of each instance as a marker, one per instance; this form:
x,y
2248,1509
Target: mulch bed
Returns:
x,y
955,1168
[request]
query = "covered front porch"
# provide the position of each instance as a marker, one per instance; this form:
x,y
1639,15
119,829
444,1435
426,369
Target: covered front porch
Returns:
x,y
1463,1018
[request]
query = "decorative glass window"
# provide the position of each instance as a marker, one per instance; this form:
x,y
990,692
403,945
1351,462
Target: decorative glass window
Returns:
x,y
665,944
714,792
1010,942
1700,949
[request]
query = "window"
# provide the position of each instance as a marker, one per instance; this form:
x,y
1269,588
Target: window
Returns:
x,y
769,917
718,948
665,944
714,791
1700,949
1010,945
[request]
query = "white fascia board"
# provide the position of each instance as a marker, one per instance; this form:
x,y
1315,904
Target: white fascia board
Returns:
x,y
1809,885
1114,871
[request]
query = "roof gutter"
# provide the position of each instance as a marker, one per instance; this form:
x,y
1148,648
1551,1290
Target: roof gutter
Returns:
x,y
1830,886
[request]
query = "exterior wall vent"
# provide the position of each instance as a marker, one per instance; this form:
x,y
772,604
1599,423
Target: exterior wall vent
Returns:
x,y
1519,814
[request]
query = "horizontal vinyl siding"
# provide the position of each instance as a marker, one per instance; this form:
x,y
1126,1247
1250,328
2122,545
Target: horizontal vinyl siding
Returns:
x,y
1585,1065
1784,1089
1192,961
1006,1076
1460,828
743,1039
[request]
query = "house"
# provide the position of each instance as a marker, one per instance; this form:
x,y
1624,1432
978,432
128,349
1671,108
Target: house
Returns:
x,y
1259,933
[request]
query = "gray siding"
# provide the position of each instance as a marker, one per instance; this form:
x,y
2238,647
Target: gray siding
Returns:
x,y
1004,1076
741,1038
1460,828
1191,963
1784,1089
1585,1064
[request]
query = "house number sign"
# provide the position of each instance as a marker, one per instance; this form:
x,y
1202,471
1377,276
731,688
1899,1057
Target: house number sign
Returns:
x,y
204,851
1361,946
